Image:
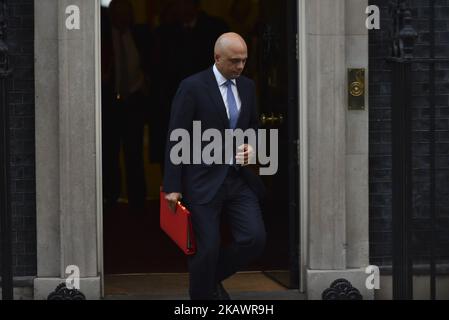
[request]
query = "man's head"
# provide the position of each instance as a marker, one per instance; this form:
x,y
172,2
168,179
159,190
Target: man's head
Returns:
x,y
122,14
231,54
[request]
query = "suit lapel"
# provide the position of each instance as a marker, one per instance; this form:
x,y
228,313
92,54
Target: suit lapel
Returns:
x,y
215,94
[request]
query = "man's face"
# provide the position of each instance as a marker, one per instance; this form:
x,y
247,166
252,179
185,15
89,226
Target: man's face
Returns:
x,y
232,60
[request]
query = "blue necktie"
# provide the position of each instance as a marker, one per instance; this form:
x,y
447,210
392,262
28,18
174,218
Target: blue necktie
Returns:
x,y
232,105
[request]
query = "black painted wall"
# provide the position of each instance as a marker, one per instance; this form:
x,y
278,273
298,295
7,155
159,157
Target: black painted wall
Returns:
x,y
20,33
380,136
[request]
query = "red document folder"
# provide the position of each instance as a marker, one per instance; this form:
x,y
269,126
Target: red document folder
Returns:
x,y
178,226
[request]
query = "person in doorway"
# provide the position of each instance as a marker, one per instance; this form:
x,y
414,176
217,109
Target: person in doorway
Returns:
x,y
186,29
126,50
222,99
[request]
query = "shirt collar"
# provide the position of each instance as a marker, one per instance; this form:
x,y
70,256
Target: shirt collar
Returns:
x,y
221,80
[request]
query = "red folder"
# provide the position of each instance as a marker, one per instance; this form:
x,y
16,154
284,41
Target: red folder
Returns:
x,y
178,226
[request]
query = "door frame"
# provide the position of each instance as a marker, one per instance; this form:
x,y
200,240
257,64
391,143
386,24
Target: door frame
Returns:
x,y
99,146
302,148
293,120
303,144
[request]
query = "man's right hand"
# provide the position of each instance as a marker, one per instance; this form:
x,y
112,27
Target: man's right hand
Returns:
x,y
173,199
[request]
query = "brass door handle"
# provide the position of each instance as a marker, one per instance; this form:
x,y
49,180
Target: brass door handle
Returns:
x,y
271,120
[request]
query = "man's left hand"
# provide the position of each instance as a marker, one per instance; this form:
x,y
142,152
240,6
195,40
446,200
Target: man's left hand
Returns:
x,y
245,155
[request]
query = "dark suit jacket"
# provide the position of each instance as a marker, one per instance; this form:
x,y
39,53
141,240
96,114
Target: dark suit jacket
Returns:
x,y
199,99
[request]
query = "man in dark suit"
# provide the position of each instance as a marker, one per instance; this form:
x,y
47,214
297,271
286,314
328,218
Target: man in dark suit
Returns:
x,y
221,99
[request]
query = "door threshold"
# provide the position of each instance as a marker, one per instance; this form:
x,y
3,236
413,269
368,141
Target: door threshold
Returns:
x,y
174,286
235,296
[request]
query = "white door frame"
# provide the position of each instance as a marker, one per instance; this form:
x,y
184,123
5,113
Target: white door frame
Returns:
x,y
303,143
98,138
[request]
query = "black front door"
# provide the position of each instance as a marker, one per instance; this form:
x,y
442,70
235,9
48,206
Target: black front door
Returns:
x,y
277,85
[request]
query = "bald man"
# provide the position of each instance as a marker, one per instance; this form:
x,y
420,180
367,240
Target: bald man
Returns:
x,y
221,99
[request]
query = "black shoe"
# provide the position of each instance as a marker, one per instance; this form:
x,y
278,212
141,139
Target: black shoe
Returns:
x,y
220,293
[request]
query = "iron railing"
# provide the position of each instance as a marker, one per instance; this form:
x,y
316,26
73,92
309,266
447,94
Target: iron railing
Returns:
x,y
403,60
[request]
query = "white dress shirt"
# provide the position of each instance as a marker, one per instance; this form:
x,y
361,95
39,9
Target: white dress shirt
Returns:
x,y
221,80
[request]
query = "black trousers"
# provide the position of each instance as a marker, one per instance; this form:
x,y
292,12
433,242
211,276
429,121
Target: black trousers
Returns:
x,y
123,122
214,263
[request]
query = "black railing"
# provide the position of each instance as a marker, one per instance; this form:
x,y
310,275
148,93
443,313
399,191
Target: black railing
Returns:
x,y
5,203
402,60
